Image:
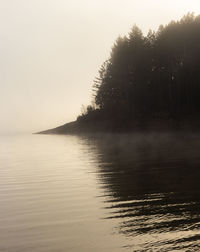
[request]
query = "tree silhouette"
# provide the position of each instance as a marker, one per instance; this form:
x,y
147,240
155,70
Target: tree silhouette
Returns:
x,y
151,77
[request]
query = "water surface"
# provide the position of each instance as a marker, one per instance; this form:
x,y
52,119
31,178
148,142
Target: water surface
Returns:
x,y
100,193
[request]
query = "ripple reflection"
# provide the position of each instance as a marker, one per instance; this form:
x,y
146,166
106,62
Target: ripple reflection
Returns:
x,y
151,185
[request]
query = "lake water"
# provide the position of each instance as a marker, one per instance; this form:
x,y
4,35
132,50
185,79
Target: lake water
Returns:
x,y
98,194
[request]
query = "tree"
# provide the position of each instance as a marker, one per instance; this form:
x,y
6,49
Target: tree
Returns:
x,y
152,76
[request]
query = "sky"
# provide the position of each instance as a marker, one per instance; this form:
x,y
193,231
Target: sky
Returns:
x,y
51,51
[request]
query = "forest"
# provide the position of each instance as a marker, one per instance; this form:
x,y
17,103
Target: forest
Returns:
x,y
153,77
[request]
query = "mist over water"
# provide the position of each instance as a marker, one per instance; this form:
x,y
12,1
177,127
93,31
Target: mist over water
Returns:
x,y
100,193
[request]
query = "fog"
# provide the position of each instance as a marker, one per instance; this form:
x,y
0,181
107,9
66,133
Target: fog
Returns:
x,y
51,52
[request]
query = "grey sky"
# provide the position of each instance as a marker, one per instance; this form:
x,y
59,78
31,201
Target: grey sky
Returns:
x,y
51,50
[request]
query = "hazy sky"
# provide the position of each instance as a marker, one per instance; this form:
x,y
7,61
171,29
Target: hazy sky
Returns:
x,y
51,50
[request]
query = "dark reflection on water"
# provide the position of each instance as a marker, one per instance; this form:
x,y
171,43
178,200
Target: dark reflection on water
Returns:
x,y
151,184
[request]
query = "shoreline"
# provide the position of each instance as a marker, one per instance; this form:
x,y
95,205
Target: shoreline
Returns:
x,y
97,127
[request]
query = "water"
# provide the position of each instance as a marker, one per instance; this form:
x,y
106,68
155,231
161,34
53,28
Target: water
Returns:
x,y
102,193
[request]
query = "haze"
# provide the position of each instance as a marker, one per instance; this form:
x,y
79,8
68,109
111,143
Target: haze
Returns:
x,y
51,52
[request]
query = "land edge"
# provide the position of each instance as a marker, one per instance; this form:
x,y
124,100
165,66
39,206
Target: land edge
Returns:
x,y
159,125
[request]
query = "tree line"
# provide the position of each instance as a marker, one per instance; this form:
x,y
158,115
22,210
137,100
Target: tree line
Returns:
x,y
152,76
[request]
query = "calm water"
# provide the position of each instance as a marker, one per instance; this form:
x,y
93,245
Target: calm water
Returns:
x,y
103,193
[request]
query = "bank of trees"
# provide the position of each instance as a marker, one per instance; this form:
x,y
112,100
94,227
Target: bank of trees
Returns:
x,y
152,76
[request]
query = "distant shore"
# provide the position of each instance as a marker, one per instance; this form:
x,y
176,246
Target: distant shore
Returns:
x,y
157,125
